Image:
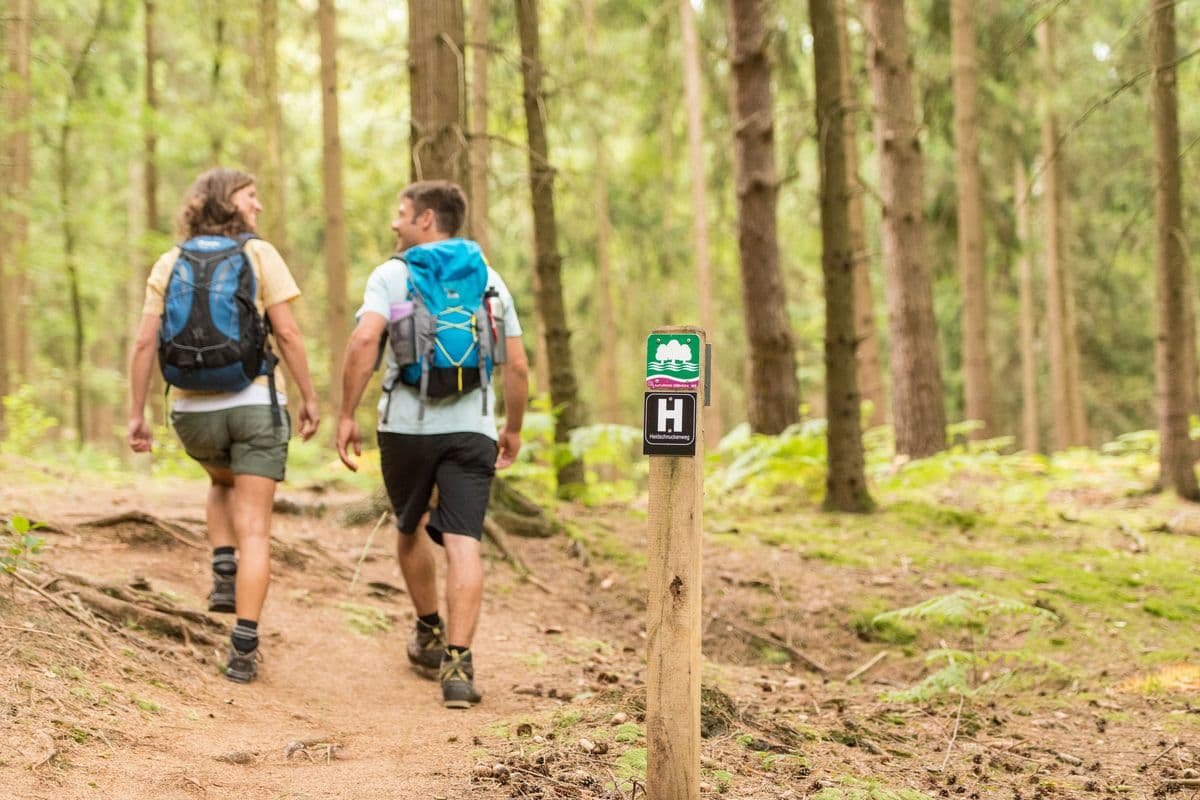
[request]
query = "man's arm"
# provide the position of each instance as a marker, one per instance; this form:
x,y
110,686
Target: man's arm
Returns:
x,y
141,361
291,347
516,396
357,366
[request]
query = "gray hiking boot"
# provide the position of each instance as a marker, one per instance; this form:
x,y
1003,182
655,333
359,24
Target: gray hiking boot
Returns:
x,y
242,667
425,648
457,675
222,598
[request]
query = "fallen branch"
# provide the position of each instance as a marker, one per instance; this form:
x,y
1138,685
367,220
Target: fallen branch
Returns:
x,y
170,529
858,673
500,538
766,638
954,734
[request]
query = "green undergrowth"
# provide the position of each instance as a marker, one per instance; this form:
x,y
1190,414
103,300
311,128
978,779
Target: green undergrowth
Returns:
x,y
860,789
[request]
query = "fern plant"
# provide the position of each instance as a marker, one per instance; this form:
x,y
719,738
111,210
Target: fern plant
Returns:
x,y
969,670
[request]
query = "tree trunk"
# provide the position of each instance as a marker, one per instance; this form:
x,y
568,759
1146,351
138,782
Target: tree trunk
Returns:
x,y
336,250
610,407
217,127
17,188
480,146
1030,438
548,262
435,51
870,371
272,180
918,410
845,484
1063,389
693,92
772,390
1172,349
972,270
150,126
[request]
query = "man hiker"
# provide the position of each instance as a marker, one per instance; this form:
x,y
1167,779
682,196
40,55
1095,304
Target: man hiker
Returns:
x,y
216,306
448,317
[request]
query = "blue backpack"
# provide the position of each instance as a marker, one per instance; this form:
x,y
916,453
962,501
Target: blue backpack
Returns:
x,y
449,334
212,337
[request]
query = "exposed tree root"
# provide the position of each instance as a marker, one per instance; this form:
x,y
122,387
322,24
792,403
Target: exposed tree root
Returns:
x,y
166,528
774,641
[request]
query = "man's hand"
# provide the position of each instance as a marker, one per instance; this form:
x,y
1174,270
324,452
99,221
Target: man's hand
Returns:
x,y
347,435
139,435
508,447
310,418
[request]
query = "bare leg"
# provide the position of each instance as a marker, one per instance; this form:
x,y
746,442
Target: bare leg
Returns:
x,y
219,509
464,587
415,554
253,497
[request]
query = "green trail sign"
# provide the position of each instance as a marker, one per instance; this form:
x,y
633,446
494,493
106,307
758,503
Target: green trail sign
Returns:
x,y
673,361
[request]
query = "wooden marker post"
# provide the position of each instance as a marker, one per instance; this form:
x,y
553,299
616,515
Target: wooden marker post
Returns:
x,y
673,437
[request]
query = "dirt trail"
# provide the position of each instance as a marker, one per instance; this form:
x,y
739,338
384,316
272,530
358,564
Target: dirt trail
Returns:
x,y
320,681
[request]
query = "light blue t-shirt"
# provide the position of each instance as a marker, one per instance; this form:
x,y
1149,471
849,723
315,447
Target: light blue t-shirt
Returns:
x,y
463,414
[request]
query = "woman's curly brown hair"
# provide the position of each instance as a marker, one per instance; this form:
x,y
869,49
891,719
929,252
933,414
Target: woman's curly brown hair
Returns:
x,y
208,207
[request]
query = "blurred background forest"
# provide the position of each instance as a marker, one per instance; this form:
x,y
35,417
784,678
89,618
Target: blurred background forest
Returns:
x,y
120,103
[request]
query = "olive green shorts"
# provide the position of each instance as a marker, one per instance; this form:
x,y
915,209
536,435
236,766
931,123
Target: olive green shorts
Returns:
x,y
243,439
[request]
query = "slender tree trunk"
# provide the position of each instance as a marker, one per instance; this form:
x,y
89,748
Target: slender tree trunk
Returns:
x,y
972,269
78,76
150,125
481,53
610,407
870,369
694,94
772,391
336,250
845,484
272,181
1173,349
548,262
217,127
17,188
1030,438
1062,388
436,37
918,410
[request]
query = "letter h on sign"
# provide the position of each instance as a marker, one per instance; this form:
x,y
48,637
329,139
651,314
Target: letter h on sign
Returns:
x,y
669,424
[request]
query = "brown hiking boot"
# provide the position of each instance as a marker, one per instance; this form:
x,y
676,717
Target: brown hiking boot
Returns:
x,y
425,648
458,680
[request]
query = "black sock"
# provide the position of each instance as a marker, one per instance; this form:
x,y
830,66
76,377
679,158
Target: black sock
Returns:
x,y
455,650
224,561
430,620
245,635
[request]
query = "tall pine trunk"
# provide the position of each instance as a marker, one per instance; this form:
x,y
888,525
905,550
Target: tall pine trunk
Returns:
x,y
972,270
870,370
150,124
1030,436
1174,349
17,190
918,410
480,146
693,92
272,179
547,261
772,388
845,484
1064,388
436,38
336,250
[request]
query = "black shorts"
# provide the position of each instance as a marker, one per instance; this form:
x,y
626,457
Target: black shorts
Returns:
x,y
461,465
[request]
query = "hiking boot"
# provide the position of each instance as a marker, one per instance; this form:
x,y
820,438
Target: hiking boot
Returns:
x,y
242,667
457,675
425,648
222,597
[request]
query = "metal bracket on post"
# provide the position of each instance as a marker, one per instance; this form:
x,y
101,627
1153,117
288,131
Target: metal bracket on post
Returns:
x,y
677,360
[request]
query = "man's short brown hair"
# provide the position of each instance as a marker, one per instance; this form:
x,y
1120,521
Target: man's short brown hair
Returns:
x,y
445,198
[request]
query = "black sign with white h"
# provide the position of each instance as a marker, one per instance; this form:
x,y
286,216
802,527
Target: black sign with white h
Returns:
x,y
669,424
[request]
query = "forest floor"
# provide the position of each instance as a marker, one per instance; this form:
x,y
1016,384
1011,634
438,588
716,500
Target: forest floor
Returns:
x,y
1083,682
